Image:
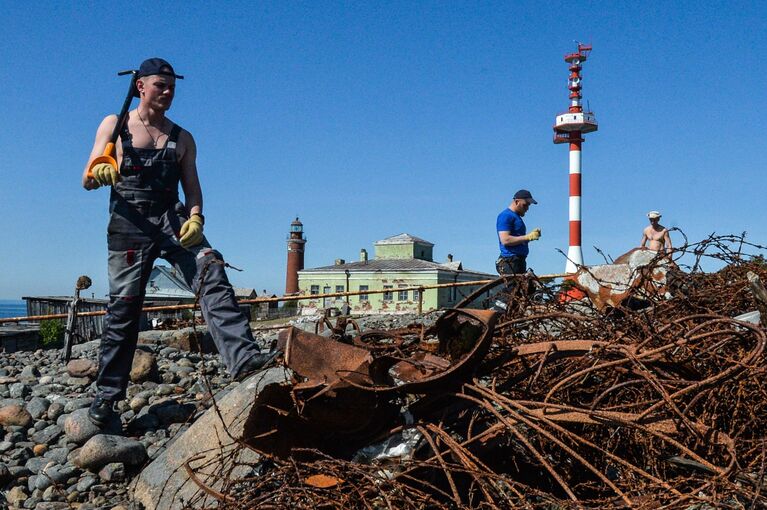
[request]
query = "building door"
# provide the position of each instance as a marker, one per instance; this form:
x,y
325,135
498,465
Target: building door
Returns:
x,y
326,302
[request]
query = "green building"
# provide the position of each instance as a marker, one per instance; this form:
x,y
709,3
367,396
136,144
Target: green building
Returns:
x,y
400,261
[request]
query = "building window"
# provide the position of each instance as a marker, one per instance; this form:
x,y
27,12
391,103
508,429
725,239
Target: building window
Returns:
x,y
339,288
314,290
416,295
363,297
388,296
401,294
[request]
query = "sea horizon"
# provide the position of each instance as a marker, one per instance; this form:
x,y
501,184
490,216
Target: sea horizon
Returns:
x,y
12,308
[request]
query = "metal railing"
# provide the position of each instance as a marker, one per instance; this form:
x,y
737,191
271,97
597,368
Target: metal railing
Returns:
x,y
301,297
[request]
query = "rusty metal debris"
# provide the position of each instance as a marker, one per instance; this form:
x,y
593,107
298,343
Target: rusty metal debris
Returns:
x,y
556,403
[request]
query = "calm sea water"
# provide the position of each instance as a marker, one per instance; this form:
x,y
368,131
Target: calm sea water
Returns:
x,y
12,308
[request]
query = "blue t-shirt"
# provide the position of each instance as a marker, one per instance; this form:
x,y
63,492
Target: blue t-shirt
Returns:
x,y
511,222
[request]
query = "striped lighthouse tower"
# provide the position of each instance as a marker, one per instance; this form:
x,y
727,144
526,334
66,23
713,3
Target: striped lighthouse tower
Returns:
x,y
569,128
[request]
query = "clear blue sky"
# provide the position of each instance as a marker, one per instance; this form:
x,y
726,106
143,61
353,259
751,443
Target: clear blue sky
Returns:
x,y
371,119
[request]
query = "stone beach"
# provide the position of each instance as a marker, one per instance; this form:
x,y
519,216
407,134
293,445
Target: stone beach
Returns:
x,y
52,456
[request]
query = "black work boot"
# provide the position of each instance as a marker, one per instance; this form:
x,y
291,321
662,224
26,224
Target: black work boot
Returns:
x,y
254,364
101,411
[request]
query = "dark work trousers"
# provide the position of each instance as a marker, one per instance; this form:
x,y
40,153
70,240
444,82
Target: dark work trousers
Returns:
x,y
145,220
511,265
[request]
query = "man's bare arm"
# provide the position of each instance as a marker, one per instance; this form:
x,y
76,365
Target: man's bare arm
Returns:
x,y
509,240
190,182
667,239
103,133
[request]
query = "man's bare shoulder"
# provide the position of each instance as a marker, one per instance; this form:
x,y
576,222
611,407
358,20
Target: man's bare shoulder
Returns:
x,y
109,122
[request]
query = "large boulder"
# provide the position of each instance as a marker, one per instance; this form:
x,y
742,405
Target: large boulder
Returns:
x,y
165,485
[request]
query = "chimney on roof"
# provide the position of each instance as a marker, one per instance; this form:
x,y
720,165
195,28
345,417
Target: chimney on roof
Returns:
x,y
449,257
340,262
363,255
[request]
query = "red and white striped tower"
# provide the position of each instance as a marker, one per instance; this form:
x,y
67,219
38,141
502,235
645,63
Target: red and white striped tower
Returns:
x,y
296,245
570,128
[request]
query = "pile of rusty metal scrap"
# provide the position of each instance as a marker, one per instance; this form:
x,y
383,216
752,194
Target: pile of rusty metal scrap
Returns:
x,y
555,403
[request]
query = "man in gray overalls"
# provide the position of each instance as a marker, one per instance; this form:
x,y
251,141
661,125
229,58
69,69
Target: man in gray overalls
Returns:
x,y
147,220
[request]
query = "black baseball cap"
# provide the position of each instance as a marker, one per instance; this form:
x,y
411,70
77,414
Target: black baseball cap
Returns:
x,y
523,194
153,66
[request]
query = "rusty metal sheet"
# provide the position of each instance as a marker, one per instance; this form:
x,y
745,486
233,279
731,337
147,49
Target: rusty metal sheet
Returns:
x,y
638,274
464,338
320,360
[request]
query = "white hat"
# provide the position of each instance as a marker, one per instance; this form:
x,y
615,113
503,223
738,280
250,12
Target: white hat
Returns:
x,y
653,214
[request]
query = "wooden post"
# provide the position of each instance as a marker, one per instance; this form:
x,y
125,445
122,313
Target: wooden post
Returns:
x,y
83,283
420,300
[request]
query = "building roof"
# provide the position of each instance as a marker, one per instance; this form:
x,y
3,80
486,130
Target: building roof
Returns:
x,y
165,282
393,265
403,239
245,292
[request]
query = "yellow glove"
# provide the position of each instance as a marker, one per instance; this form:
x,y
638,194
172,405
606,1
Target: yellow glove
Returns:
x,y
534,235
105,174
191,231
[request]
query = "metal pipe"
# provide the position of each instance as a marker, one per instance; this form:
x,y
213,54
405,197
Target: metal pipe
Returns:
x,y
191,306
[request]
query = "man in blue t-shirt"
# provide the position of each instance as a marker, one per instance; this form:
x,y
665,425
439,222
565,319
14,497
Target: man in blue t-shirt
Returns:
x,y
512,235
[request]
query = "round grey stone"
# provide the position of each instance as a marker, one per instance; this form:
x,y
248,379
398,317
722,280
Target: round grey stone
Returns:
x,y
48,435
77,403
104,449
30,373
58,455
113,472
86,483
37,406
19,390
55,410
79,428
35,464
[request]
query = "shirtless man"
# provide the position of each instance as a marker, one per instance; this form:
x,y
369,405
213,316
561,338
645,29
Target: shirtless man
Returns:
x,y
656,234
147,220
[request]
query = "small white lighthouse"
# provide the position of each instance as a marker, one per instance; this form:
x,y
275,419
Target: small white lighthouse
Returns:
x,y
570,128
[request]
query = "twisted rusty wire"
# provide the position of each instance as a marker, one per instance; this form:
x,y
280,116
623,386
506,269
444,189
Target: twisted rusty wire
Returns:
x,y
572,407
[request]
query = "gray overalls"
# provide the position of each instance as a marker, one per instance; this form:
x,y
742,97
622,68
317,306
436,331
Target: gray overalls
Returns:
x,y
145,218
